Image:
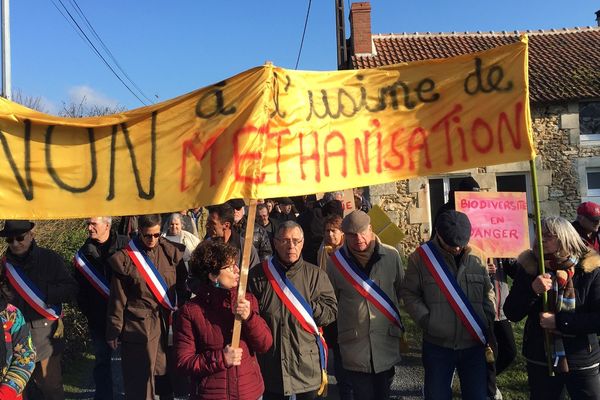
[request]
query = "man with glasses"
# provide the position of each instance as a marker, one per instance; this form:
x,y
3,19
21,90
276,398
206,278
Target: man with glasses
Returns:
x,y
36,280
369,327
587,223
148,283
294,366
93,275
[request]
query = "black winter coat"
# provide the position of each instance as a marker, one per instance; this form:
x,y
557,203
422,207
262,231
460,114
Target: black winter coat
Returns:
x,y
47,270
260,238
580,327
91,303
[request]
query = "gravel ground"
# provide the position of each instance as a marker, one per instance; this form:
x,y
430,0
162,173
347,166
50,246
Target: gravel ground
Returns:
x,y
408,380
407,385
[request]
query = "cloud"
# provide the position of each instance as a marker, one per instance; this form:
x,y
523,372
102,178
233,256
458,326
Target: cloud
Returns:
x,y
77,94
48,106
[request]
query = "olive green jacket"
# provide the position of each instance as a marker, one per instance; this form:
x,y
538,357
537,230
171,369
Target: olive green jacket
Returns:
x,y
292,364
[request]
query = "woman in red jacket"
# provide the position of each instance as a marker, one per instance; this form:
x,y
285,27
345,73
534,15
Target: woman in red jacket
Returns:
x,y
204,325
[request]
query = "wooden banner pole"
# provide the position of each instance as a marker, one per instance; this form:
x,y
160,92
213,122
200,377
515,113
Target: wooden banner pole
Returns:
x,y
244,268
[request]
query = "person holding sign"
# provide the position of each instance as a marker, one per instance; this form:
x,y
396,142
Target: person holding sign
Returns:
x,y
148,282
448,293
572,284
366,275
203,330
296,299
36,281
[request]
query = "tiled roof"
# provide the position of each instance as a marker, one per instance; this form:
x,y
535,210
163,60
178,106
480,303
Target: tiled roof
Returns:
x,y
563,65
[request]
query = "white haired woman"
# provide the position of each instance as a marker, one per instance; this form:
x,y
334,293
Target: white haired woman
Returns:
x,y
572,281
175,233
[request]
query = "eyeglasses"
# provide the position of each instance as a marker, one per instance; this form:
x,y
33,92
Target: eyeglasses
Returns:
x,y
293,242
151,235
230,267
11,239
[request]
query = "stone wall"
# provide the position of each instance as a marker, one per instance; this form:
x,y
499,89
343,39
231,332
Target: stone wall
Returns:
x,y
559,165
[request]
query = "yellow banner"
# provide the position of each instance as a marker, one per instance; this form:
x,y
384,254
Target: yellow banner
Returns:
x,y
269,132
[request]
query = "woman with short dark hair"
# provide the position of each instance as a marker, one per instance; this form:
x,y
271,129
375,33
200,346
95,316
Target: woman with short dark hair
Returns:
x,y
572,281
204,325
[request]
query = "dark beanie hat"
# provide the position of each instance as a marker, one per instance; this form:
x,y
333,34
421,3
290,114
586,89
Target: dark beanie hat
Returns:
x,y
333,207
468,184
454,228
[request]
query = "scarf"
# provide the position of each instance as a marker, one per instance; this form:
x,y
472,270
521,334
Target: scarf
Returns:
x,y
363,257
561,298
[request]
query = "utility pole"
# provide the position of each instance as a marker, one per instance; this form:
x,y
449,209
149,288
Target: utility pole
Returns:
x,y
340,34
6,75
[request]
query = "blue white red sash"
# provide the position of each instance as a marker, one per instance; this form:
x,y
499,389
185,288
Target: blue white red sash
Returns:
x,y
30,292
299,308
453,292
366,287
96,279
153,278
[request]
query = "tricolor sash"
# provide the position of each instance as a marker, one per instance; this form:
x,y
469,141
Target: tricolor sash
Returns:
x,y
366,287
299,307
453,292
30,292
153,278
96,279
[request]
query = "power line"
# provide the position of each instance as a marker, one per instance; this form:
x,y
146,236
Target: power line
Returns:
x,y
73,22
303,33
106,49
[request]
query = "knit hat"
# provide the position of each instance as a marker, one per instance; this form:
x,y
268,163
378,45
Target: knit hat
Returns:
x,y
333,207
454,228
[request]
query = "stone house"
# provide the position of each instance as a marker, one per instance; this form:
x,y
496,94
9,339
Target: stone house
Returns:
x,y
564,77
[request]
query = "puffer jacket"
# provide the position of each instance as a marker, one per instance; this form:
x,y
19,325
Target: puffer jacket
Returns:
x,y
292,364
203,327
428,306
368,340
579,328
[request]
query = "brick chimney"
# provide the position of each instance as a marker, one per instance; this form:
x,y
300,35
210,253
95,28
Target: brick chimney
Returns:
x,y
360,25
598,17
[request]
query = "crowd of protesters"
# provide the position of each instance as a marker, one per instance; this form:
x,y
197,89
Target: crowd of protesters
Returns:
x,y
163,291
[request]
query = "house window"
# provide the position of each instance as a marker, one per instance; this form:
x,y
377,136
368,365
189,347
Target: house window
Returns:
x,y
439,189
593,181
589,120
